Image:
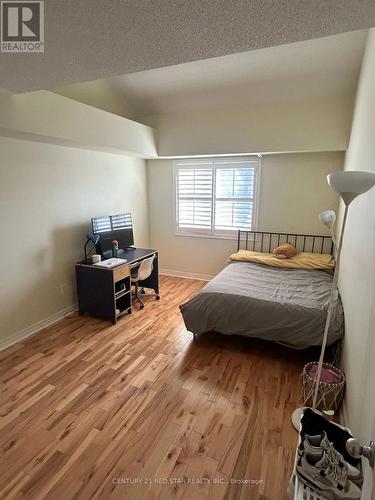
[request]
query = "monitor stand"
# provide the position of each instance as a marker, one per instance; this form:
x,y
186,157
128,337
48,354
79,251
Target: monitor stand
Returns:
x,y
108,254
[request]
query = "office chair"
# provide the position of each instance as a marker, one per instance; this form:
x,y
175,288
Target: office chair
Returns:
x,y
141,273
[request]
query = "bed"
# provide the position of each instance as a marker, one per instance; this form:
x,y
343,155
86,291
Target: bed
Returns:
x,y
287,306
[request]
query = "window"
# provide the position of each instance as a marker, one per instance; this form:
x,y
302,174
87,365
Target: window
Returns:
x,y
216,196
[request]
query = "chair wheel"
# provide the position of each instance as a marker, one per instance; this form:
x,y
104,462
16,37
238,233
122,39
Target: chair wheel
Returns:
x,y
141,307
143,290
157,297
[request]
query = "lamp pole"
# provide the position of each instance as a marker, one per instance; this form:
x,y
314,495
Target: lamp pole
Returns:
x,y
331,307
348,184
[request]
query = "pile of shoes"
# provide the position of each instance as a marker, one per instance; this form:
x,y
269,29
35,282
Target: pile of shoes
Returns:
x,y
323,462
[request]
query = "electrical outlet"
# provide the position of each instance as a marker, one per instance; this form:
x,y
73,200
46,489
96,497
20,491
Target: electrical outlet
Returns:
x,y
63,288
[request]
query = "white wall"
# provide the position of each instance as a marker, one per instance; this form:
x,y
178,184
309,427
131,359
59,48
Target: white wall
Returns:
x,y
48,194
50,118
321,124
98,93
357,284
293,192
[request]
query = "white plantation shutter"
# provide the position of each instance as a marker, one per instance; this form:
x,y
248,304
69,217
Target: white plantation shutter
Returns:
x,y
194,207
234,197
216,196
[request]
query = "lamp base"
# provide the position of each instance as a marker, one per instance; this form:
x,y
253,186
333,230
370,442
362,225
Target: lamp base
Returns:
x,y
296,417
298,412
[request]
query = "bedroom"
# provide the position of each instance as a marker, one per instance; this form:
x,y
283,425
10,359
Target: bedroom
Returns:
x,y
138,408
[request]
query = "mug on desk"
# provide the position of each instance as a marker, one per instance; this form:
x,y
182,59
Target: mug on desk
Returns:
x,y
96,258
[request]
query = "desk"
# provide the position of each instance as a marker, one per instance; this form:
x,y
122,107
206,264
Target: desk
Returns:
x,y
106,293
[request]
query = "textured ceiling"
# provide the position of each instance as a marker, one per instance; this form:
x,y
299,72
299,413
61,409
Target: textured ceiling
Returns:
x,y
91,39
303,70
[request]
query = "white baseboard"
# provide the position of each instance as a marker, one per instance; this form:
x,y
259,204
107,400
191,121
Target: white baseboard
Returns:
x,y
185,274
36,327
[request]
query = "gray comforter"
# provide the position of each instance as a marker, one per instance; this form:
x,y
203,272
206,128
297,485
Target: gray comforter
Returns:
x,y
283,305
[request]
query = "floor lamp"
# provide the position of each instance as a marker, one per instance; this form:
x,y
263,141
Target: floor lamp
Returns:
x,y
349,185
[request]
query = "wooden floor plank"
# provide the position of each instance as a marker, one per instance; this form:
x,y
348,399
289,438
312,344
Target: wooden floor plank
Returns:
x,y
138,410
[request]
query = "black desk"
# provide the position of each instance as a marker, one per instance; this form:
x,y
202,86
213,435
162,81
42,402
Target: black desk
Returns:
x,y
135,256
106,293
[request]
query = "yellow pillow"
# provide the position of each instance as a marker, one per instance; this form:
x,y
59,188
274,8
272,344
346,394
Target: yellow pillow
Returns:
x,y
303,260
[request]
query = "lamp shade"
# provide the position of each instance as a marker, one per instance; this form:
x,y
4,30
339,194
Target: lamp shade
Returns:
x,y
350,184
93,237
328,218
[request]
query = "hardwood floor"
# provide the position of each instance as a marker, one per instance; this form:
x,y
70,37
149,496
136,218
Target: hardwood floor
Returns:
x,y
140,411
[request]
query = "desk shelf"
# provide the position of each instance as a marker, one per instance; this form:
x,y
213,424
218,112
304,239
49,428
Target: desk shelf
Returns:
x,y
122,288
121,293
124,304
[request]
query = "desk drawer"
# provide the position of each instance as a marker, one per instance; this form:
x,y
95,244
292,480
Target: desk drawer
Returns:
x,y
120,273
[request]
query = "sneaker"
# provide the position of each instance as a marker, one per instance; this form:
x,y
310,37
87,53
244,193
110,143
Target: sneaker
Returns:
x,y
327,477
313,423
314,445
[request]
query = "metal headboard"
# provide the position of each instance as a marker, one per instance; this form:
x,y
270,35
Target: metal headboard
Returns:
x,y
265,241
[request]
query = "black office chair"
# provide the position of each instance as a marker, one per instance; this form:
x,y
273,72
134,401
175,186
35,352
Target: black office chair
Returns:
x,y
140,273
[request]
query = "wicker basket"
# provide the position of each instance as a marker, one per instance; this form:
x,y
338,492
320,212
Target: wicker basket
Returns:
x,y
329,395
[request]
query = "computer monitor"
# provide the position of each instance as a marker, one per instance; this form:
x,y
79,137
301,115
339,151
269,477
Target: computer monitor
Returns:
x,y
113,227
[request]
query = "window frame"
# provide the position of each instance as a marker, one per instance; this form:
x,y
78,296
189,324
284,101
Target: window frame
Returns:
x,y
216,163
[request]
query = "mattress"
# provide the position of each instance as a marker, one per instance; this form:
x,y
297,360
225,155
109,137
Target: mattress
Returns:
x,y
288,306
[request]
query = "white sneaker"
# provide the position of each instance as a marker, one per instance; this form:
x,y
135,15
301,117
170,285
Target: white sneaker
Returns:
x,y
315,445
327,477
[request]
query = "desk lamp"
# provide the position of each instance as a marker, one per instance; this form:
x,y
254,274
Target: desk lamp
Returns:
x,y
93,238
349,185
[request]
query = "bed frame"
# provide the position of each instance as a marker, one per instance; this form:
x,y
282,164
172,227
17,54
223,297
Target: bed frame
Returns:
x,y
265,241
